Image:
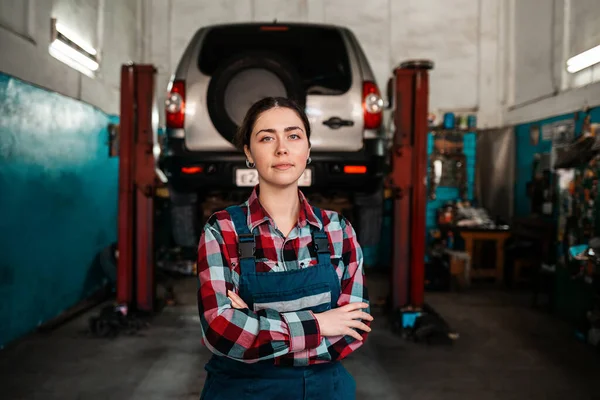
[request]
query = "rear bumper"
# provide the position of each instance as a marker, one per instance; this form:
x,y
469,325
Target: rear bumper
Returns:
x,y
218,169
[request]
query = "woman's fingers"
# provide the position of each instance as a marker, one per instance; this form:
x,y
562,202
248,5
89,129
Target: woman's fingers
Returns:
x,y
361,315
354,306
359,325
232,295
236,301
235,304
353,333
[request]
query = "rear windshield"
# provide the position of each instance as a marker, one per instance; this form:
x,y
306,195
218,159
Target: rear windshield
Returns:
x,y
318,53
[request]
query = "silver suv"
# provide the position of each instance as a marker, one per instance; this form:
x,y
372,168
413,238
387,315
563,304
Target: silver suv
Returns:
x,y
226,68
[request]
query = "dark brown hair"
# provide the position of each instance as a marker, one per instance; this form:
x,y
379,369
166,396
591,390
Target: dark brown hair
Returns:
x,y
242,137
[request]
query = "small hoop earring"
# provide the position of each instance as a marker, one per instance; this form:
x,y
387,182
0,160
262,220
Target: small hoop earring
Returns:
x,y
249,164
308,161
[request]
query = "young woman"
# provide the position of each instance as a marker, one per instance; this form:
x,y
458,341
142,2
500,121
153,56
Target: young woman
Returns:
x,y
282,295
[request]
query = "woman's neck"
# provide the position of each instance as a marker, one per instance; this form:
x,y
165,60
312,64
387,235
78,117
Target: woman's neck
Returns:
x,y
282,204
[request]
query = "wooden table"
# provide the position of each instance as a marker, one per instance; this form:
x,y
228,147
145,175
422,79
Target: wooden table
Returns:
x,y
470,236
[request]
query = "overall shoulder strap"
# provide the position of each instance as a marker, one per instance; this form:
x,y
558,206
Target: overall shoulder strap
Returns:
x,y
246,245
321,241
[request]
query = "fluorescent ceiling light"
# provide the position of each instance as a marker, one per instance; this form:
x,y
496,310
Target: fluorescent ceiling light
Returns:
x,y
75,39
69,48
73,58
584,60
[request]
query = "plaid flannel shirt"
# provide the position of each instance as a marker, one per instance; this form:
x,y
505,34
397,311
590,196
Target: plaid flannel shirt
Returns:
x,y
290,338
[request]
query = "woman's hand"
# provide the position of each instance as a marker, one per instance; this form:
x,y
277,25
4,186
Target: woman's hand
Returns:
x,y
341,320
236,301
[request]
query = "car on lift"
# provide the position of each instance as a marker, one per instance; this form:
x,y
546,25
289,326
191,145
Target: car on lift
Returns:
x,y
225,69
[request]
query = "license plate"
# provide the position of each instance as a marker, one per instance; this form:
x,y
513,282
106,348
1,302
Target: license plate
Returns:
x,y
249,177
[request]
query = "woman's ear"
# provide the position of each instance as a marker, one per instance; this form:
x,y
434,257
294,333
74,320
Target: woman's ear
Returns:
x,y
248,153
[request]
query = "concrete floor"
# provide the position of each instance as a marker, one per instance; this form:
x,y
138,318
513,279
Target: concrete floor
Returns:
x,y
506,351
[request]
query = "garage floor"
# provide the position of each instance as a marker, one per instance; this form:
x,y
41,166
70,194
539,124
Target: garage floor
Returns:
x,y
506,351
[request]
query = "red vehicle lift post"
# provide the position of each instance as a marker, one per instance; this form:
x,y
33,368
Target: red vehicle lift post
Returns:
x,y
137,182
408,182
411,316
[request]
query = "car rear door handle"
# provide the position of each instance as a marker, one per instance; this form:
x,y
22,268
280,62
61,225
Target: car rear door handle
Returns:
x,y
337,122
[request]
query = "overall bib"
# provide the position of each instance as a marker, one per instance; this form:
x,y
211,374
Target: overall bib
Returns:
x,y
315,288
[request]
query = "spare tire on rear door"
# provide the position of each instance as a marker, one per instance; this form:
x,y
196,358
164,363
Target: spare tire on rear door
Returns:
x,y
242,80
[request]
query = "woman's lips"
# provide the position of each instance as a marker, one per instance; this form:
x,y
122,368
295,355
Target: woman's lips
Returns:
x,y
283,167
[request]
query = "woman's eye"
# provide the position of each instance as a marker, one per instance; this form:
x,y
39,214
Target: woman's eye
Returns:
x,y
266,139
294,136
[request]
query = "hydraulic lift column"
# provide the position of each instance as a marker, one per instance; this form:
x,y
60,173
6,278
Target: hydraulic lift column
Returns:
x,y
137,182
408,182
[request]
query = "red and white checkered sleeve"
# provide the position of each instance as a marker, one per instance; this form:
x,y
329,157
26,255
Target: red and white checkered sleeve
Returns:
x,y
353,283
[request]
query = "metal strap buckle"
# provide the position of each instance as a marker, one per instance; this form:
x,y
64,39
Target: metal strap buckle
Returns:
x,y
246,247
321,244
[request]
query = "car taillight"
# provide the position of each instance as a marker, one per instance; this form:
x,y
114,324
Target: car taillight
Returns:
x,y
355,169
175,105
192,170
372,106
273,28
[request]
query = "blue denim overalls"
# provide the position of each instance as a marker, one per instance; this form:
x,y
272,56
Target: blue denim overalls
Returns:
x,y
315,288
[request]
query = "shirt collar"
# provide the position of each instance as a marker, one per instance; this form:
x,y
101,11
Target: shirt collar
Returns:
x,y
257,214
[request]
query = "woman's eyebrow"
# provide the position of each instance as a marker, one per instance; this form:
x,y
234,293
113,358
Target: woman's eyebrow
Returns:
x,y
269,130
293,128
289,128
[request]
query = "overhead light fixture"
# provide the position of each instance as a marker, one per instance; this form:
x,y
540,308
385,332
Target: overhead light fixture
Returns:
x,y
69,48
584,60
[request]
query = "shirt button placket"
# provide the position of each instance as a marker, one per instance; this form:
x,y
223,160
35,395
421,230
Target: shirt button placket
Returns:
x,y
289,248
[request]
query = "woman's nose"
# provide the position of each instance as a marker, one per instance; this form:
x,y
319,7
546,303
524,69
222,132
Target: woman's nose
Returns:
x,y
281,150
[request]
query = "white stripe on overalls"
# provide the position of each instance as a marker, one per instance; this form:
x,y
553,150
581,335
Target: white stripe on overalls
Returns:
x,y
297,304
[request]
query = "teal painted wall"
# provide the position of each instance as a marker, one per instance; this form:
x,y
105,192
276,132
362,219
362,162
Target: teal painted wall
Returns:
x,y
445,194
525,152
58,204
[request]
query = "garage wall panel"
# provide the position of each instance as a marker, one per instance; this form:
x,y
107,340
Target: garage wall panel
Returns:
x,y
280,10
534,50
158,21
14,16
446,34
585,26
121,32
112,27
315,11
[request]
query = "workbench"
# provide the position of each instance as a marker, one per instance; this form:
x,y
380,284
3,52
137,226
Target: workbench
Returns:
x,y
474,236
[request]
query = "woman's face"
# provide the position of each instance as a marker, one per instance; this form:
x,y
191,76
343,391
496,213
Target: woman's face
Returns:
x,y
279,147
